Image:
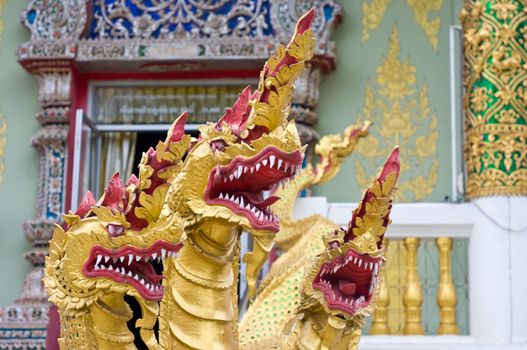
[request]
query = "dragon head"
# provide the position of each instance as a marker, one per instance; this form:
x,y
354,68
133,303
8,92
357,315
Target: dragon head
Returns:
x,y
250,150
343,279
114,244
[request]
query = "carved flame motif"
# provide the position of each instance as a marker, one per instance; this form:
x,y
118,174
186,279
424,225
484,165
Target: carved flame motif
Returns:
x,y
373,14
401,116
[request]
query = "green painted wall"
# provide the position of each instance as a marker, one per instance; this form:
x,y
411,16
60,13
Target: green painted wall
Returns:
x,y
18,105
342,93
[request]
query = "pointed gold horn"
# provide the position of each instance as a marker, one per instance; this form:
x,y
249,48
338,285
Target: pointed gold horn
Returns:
x,y
271,107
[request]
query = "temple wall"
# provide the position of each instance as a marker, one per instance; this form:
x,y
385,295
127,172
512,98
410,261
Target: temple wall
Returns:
x,y
18,181
361,61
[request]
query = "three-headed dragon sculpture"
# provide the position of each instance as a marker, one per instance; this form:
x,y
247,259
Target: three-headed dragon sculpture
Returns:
x,y
170,238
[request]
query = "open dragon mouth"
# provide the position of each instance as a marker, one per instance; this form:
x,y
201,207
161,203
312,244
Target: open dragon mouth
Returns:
x,y
240,186
348,282
133,266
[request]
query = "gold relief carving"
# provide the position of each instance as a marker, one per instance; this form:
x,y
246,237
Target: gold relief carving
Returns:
x,y
3,140
496,117
374,11
401,116
372,16
422,11
2,5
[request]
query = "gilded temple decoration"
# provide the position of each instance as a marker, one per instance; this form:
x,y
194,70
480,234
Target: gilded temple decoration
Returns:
x,y
2,4
422,12
495,99
373,14
401,115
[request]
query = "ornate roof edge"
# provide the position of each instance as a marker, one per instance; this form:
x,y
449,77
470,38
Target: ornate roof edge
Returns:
x,y
58,32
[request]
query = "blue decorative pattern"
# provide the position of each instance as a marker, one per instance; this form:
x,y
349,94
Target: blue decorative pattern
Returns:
x,y
180,18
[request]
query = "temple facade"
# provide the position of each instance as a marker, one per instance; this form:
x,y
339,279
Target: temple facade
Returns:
x,y
88,85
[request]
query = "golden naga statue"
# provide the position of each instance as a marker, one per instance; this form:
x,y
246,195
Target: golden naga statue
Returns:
x,y
318,293
113,248
331,151
170,238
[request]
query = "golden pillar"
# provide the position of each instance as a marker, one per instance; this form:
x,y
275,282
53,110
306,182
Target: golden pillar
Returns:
x,y
413,295
495,82
446,293
379,324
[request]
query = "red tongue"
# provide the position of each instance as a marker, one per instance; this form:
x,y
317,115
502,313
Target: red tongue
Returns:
x,y
255,199
347,287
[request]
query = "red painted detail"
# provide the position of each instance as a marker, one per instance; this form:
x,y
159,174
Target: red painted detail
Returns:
x,y
250,186
142,267
343,282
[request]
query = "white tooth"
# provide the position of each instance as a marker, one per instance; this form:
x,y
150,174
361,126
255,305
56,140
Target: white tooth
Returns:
x,y
221,196
114,259
154,256
279,164
237,173
163,253
123,271
129,273
117,270
142,281
355,260
360,262
136,277
252,170
231,177
376,269
121,258
248,206
97,267
246,169
158,259
137,258
110,267
286,168
271,161
361,299
147,286
130,259
103,267
241,202
99,258
253,209
237,200
371,266
264,162
106,258
225,179
257,166
240,170
260,216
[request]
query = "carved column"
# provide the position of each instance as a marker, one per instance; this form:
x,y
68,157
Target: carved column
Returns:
x,y
446,293
413,295
379,325
495,103
25,321
496,97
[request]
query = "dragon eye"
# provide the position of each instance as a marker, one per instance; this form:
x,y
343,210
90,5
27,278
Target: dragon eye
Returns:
x,y
115,230
218,145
